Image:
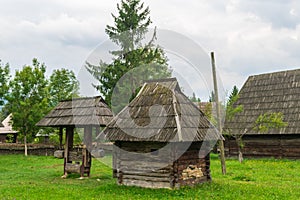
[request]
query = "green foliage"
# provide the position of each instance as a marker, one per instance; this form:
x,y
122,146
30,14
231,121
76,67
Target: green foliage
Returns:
x,y
130,26
268,121
63,85
231,108
36,177
128,31
4,79
194,98
9,138
27,100
211,97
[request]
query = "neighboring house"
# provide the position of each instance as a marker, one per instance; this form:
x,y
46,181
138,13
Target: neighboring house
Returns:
x,y
268,93
6,132
162,139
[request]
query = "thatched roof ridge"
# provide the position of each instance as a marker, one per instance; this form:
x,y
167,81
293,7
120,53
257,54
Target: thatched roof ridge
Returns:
x,y
161,113
7,127
82,111
267,93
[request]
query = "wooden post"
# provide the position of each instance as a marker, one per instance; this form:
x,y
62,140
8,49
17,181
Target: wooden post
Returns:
x,y
68,148
87,161
60,137
69,142
87,138
221,143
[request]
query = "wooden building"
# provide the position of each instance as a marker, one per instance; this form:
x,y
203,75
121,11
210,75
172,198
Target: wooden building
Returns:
x,y
89,113
7,132
161,139
268,93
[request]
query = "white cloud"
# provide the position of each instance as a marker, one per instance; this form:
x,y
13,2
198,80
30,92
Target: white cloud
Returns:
x,y
248,36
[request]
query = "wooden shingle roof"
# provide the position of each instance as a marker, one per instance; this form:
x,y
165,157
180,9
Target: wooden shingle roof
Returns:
x,y
267,93
7,127
160,113
78,112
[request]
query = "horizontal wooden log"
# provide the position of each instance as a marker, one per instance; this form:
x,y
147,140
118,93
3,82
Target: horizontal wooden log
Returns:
x,y
72,168
149,174
146,178
146,184
144,158
141,164
145,170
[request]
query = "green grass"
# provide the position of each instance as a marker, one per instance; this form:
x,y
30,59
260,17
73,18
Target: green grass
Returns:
x,y
35,177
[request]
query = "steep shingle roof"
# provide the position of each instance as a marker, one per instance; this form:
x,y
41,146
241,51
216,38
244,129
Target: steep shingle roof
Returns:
x,y
78,112
161,113
267,93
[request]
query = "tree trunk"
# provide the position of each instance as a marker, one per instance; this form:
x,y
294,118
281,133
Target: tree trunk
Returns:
x,y
240,155
240,147
25,144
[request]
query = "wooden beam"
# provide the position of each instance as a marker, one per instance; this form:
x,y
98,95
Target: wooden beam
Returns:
x,y
61,129
221,143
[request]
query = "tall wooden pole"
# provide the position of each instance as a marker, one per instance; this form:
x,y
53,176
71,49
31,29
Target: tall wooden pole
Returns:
x,y
221,143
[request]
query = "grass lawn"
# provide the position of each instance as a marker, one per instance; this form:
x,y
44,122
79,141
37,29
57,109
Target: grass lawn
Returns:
x,y
35,177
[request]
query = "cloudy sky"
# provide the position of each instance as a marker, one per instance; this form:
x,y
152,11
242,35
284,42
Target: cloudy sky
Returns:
x,y
248,36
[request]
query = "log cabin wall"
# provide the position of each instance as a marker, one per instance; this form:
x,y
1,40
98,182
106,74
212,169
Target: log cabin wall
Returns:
x,y
154,165
191,167
259,146
144,164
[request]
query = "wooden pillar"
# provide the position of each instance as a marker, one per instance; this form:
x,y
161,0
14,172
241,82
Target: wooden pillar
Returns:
x,y
87,157
69,141
88,137
68,147
61,129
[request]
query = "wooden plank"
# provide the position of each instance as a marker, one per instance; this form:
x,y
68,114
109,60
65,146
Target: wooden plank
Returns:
x,y
149,174
146,178
72,168
143,165
146,184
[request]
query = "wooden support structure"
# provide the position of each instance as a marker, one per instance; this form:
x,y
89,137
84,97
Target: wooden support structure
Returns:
x,y
78,160
82,115
60,134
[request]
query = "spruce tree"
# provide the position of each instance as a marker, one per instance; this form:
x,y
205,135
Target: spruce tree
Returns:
x,y
128,32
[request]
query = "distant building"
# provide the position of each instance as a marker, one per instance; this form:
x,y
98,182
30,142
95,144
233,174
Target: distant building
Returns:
x,y
268,93
7,132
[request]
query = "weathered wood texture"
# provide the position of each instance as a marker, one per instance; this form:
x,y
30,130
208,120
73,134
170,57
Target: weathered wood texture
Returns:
x,y
153,116
267,93
78,111
160,165
277,146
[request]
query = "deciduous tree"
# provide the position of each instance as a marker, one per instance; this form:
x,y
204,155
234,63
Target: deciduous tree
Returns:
x,y
62,85
4,79
27,100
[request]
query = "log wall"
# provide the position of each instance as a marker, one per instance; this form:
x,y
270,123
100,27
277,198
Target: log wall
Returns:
x,y
259,146
159,165
192,167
